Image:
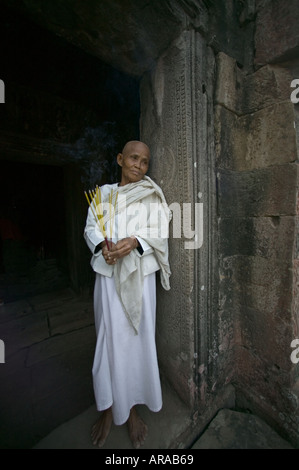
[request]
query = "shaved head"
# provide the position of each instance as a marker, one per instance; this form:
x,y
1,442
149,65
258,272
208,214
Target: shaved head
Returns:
x,y
132,144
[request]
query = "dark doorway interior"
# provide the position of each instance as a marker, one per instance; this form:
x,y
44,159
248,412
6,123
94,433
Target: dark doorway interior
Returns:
x,y
63,107
32,228
65,117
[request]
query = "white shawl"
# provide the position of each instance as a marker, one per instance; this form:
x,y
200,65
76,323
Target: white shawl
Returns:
x,y
128,271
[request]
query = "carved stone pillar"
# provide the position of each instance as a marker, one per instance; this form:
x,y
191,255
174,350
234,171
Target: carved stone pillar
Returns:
x,y
176,122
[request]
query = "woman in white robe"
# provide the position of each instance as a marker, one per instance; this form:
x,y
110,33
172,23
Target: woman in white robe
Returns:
x,y
125,369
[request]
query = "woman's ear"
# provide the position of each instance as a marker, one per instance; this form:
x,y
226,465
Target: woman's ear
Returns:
x,y
119,159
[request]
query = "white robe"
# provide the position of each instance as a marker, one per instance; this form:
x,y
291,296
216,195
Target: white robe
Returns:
x,y
119,379
125,370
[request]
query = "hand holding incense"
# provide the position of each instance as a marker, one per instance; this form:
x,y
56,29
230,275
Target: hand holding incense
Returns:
x,y
96,206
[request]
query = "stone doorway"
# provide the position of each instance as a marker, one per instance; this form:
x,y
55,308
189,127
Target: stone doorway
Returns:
x,y
179,135
175,76
203,79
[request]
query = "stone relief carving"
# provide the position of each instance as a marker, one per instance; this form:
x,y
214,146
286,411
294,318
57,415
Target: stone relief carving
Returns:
x,y
181,167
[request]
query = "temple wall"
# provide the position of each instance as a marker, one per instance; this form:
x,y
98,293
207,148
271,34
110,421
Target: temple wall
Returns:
x,y
232,312
257,173
180,133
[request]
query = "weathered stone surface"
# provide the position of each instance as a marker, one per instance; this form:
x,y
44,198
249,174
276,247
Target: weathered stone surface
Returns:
x,y
59,344
296,109
256,136
244,93
235,430
265,192
179,134
265,389
228,288
45,379
68,367
46,301
51,411
174,328
277,34
267,237
138,34
265,284
132,35
269,336
259,284
295,268
74,316
24,331
232,30
171,422
295,304
257,140
260,289
13,310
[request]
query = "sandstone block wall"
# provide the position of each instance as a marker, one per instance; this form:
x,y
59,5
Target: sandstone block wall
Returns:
x,y
257,175
193,340
245,154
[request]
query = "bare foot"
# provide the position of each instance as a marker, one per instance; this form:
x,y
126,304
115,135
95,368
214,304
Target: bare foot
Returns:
x,y
101,428
137,429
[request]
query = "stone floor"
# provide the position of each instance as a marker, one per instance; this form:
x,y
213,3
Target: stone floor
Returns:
x,y
228,430
45,380
46,396
164,428
232,429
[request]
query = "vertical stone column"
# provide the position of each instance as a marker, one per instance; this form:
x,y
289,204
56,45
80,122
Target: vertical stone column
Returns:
x,y
176,122
256,154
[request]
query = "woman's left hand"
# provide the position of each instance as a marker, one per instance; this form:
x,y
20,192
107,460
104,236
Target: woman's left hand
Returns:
x,y
120,249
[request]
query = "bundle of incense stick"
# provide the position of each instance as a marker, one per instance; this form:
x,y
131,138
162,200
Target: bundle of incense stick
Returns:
x,y
95,203
112,210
